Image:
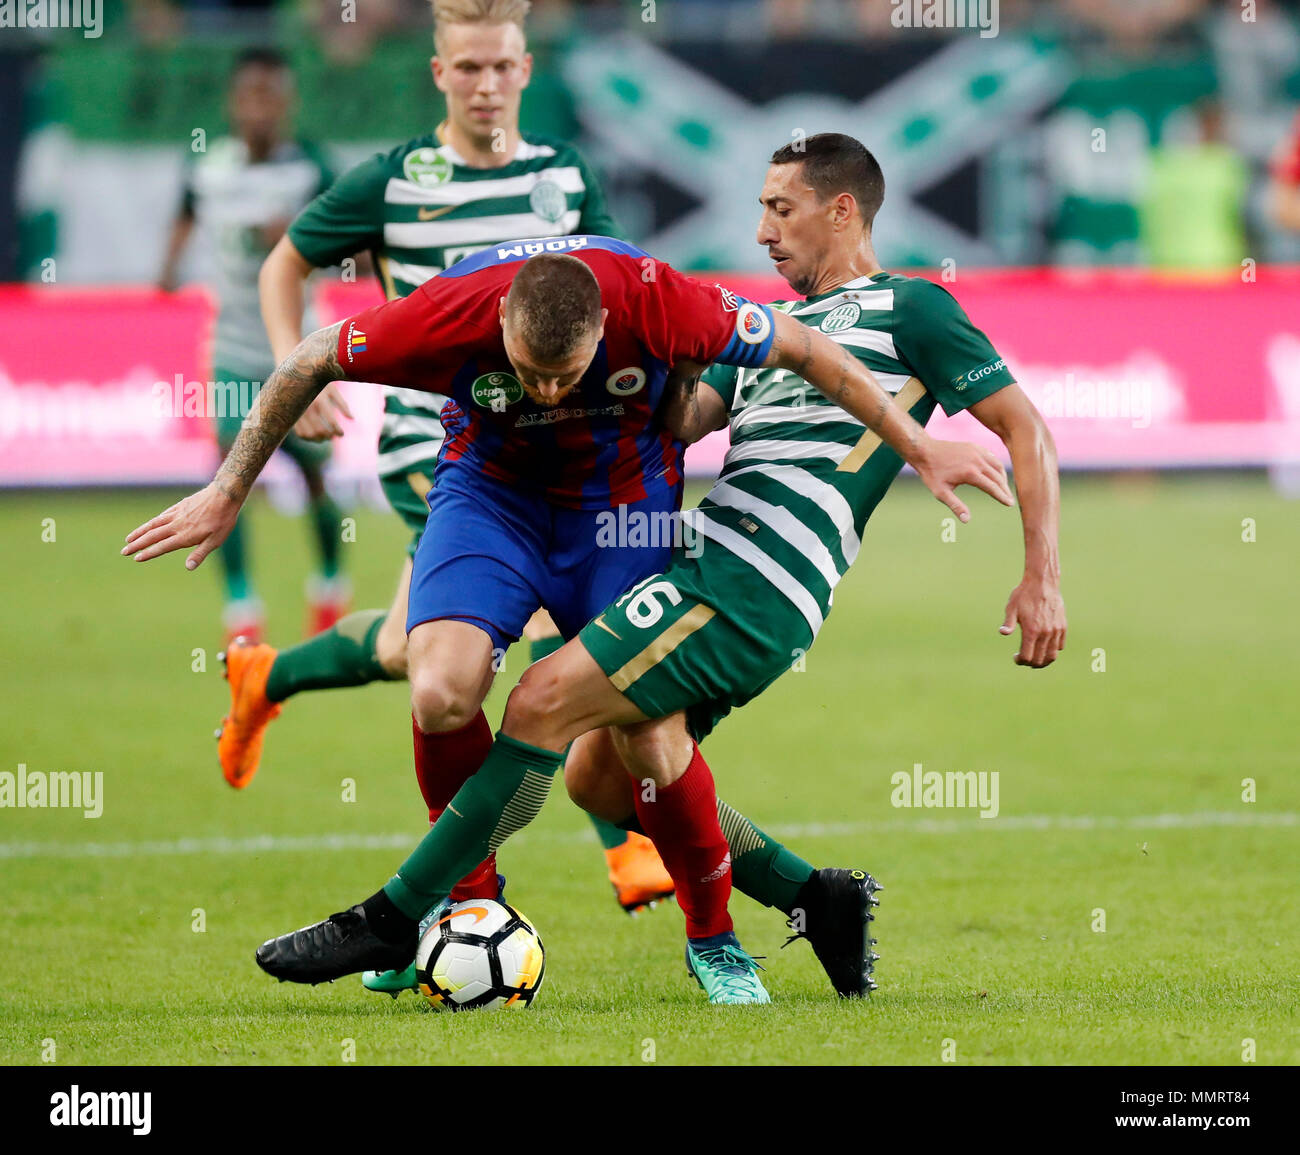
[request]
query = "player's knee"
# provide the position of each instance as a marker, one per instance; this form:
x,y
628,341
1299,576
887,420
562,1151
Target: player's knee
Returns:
x,y
542,708
534,705
583,783
439,705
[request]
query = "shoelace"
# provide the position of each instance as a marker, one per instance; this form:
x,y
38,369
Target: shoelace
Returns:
x,y
798,934
737,967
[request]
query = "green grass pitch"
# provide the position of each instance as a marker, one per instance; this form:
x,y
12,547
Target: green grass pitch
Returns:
x,y
1120,791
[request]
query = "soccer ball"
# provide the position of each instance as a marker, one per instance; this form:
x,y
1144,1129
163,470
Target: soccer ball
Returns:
x,y
480,955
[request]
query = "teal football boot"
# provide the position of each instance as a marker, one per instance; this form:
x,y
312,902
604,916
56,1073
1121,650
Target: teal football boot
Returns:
x,y
724,971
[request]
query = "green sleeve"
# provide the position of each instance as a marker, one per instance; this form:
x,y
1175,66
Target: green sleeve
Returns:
x,y
595,219
346,218
722,380
935,339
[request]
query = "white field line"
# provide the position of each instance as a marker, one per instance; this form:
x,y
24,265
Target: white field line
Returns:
x,y
315,843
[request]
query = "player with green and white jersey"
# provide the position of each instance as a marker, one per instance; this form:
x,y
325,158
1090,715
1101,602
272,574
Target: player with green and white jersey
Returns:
x,y
419,209
767,546
240,193
784,521
762,554
475,181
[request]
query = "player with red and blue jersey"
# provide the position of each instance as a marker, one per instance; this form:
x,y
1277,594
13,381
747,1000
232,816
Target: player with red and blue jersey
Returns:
x,y
554,354
521,477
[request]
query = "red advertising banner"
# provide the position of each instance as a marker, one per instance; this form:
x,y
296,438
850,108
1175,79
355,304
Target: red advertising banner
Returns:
x,y
78,370
113,386
1130,370
105,387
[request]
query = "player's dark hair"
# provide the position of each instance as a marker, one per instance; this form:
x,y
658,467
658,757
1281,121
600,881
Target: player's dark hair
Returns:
x,y
554,305
834,163
259,57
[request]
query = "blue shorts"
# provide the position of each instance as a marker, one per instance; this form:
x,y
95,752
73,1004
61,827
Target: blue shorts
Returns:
x,y
491,555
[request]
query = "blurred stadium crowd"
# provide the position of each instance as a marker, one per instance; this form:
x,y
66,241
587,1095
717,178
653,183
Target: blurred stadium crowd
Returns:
x,y
1187,109
1134,25
1131,26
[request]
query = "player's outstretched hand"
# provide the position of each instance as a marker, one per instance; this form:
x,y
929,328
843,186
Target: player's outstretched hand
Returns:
x,y
203,520
1038,608
319,422
948,464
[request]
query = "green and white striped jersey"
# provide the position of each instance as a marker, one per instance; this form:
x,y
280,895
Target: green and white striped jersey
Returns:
x,y
231,200
802,476
421,208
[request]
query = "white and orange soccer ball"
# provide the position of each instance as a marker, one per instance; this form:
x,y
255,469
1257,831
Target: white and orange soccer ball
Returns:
x,y
480,955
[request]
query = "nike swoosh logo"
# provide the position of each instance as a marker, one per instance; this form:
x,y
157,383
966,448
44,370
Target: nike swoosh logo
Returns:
x,y
433,214
600,621
480,913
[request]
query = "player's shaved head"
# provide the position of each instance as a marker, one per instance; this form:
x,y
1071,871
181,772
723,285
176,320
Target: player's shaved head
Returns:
x,y
833,164
553,307
820,198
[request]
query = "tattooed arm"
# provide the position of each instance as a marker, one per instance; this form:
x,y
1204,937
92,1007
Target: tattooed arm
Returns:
x,y
687,411
834,371
204,519
282,400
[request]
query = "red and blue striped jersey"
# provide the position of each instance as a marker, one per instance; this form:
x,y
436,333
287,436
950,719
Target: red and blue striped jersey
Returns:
x,y
601,446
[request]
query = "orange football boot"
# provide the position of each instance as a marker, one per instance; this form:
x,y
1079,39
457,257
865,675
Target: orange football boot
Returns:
x,y
239,741
638,874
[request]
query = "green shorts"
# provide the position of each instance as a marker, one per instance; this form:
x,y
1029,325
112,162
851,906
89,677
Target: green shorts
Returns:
x,y
408,494
705,637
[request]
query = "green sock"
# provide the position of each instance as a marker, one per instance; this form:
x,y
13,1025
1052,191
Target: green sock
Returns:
x,y
234,562
541,647
760,866
503,796
610,835
327,521
341,656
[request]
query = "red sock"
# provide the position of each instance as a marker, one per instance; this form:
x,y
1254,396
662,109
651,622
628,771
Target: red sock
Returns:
x,y
443,764
481,882
683,822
